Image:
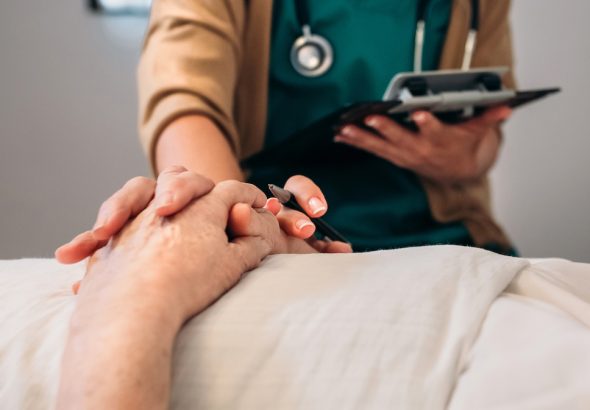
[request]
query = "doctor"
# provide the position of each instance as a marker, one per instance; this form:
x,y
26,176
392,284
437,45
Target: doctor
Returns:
x,y
219,80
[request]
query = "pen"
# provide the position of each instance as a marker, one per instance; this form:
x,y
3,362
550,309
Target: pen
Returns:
x,y
288,199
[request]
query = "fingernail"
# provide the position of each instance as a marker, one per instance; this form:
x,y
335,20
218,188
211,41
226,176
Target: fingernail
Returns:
x,y
372,122
164,200
303,223
419,117
316,205
348,131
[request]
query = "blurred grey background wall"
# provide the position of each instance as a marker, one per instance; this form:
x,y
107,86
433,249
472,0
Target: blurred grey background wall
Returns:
x,y
68,125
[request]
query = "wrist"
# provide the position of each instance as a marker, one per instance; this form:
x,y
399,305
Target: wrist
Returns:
x,y
108,299
184,141
123,346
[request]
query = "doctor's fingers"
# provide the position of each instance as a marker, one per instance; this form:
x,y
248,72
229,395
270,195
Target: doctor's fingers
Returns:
x,y
295,223
325,246
128,201
429,126
79,248
292,222
309,195
490,118
405,156
273,206
177,187
389,130
246,223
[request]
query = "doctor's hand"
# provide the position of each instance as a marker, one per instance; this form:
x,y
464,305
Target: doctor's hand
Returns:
x,y
440,152
297,224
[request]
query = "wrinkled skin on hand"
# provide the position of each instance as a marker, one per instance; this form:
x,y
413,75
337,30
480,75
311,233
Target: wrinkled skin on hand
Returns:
x,y
186,260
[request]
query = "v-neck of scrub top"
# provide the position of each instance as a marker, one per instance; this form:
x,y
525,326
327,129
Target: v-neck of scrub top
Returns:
x,y
375,204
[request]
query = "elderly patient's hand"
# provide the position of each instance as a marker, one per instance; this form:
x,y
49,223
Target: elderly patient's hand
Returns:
x,y
185,261
175,188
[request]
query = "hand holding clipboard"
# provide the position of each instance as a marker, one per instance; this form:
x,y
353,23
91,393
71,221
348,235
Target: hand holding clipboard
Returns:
x,y
453,96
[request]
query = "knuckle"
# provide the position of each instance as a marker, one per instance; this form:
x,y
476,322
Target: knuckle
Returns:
x,y
228,184
177,184
385,127
201,179
302,186
297,180
137,183
257,193
298,216
113,204
250,186
291,217
392,136
141,180
105,206
424,153
116,206
173,169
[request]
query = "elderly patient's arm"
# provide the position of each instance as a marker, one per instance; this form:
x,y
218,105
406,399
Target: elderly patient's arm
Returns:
x,y
151,278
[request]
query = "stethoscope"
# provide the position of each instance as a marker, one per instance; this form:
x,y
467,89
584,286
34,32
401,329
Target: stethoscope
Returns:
x,y
312,55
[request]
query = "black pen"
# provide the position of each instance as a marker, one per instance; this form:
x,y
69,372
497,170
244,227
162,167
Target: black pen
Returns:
x,y
288,199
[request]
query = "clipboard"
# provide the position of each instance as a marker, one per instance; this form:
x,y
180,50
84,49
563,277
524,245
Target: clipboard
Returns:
x,y
453,96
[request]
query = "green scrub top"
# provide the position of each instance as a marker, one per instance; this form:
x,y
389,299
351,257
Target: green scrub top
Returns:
x,y
373,203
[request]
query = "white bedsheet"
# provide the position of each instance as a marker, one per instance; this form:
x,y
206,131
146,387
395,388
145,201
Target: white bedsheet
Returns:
x,y
395,329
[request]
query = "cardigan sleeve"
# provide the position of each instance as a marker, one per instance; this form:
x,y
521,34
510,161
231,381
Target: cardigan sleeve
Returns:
x,y
189,65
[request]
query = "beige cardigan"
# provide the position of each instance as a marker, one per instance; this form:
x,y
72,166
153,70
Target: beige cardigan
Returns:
x,y
211,57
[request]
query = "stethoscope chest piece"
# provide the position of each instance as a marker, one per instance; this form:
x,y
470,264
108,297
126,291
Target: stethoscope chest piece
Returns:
x,y
311,54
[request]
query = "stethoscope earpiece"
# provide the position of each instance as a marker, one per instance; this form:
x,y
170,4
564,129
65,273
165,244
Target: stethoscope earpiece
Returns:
x,y
311,54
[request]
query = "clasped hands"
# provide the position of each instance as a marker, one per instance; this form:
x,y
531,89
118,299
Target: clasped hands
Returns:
x,y
189,240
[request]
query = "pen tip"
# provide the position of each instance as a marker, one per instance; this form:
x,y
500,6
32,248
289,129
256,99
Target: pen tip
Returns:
x,y
281,194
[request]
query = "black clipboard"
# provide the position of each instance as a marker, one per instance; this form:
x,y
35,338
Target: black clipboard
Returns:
x,y
453,96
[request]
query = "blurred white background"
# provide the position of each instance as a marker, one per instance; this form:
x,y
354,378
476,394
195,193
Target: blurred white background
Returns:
x,y
68,125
